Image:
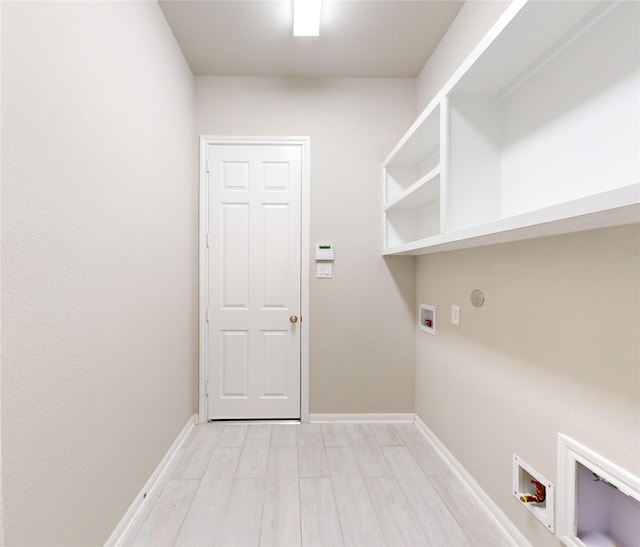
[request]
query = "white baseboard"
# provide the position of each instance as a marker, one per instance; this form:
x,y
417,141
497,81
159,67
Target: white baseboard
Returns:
x,y
483,500
155,483
391,417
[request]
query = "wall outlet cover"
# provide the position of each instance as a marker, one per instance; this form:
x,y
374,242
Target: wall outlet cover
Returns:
x,y
455,314
324,270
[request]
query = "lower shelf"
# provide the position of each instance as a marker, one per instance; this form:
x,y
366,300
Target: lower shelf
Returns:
x,y
613,208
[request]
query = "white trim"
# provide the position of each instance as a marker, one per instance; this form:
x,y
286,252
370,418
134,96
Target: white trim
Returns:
x,y
305,204
520,484
305,232
481,498
153,486
254,422
203,297
361,418
570,453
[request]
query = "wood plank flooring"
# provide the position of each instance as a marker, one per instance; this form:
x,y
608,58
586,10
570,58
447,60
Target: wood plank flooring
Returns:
x,y
311,484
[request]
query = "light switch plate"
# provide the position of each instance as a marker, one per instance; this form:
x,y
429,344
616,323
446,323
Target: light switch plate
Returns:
x,y
324,270
455,314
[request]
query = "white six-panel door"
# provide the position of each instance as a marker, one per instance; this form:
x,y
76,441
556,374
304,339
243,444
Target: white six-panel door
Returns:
x,y
253,294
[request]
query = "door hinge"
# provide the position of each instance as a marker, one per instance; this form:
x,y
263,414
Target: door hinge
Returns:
x,y
208,240
206,388
207,314
208,167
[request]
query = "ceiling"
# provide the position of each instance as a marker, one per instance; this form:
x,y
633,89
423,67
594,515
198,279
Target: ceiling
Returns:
x,y
358,38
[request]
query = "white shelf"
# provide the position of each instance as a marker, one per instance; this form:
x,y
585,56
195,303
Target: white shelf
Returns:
x,y
421,138
408,225
613,208
419,194
538,134
515,49
412,181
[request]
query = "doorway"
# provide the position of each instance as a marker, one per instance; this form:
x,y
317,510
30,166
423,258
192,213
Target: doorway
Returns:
x,y
254,255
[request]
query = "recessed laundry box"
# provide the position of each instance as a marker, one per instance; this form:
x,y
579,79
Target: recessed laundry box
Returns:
x,y
598,502
534,492
427,318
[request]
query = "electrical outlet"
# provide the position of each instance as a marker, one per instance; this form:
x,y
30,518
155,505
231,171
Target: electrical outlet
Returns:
x,y
455,314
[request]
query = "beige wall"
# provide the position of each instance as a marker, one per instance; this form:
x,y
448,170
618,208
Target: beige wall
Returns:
x,y
470,25
361,341
555,348
99,262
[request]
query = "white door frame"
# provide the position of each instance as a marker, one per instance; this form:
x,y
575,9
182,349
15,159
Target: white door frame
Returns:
x,y
304,142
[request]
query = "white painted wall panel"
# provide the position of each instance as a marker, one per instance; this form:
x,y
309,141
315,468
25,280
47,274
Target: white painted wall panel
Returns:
x,y
235,175
275,175
234,364
275,363
275,252
234,274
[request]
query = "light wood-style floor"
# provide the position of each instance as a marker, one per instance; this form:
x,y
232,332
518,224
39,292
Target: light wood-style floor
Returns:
x,y
312,484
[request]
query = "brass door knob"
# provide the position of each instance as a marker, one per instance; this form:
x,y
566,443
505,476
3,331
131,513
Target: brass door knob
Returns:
x,y
293,318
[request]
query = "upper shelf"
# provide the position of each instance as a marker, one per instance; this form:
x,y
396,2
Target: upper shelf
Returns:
x,y
537,31
535,134
419,142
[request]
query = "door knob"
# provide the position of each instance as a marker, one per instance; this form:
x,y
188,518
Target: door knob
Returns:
x,y
293,318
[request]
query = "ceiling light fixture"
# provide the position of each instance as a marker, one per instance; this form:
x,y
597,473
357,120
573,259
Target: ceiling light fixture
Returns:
x,y
306,17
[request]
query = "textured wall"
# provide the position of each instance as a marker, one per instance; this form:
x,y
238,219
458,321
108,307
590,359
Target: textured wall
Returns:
x,y
555,348
361,340
99,262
